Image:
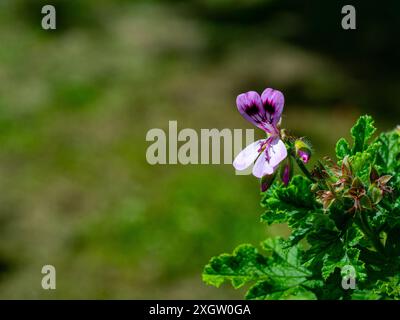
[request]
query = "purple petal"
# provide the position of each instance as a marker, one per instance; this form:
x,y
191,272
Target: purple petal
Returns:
x,y
251,108
273,101
277,152
305,156
248,155
286,175
262,167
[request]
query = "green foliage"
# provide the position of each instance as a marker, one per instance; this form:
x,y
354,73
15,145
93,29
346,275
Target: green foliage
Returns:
x,y
389,289
245,264
348,214
361,133
342,148
283,202
277,274
388,157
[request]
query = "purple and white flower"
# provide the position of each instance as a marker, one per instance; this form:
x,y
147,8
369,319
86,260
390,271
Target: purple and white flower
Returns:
x,y
264,112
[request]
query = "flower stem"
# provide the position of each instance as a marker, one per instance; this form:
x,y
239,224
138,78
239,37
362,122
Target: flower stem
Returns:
x,y
304,169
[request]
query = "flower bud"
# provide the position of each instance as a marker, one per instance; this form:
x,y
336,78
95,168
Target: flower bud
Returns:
x,y
303,150
374,175
266,181
287,171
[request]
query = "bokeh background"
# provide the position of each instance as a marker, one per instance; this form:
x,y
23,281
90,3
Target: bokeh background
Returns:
x,y
76,104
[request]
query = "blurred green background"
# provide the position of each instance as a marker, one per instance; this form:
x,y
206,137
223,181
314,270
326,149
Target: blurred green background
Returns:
x,y
76,103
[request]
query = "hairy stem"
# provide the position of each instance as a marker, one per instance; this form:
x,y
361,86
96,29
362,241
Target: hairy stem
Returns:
x,y
304,169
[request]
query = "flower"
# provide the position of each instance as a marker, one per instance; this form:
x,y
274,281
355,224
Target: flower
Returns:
x,y
264,112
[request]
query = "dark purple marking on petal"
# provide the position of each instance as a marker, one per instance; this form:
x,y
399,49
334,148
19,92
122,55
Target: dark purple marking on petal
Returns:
x,y
268,107
251,108
273,101
266,146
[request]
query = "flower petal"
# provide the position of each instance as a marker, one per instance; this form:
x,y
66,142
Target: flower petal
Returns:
x,y
277,152
262,167
304,156
251,108
273,101
248,155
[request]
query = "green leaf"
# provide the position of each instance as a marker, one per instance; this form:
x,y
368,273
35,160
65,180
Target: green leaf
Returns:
x,y
350,258
283,201
364,295
354,235
342,148
362,132
292,204
324,239
245,264
388,288
388,156
361,162
279,274
263,290
285,267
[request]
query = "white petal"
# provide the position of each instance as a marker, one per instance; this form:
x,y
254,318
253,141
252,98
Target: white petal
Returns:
x,y
277,152
262,167
247,156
